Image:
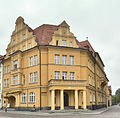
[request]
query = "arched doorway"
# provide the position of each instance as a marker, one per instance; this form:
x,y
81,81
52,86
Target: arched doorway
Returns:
x,y
11,101
66,99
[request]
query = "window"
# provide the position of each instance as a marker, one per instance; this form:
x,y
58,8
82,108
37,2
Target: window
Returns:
x,y
7,83
24,48
71,75
15,80
13,42
57,58
35,76
29,45
71,60
32,97
31,77
57,43
90,97
57,74
64,59
63,43
8,68
70,44
23,36
31,61
35,60
15,64
5,70
23,98
64,76
23,79
93,98
0,75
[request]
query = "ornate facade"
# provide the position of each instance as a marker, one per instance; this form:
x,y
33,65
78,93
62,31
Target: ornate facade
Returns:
x,y
49,68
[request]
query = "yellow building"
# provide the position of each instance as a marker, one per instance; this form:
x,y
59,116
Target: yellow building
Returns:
x,y
49,68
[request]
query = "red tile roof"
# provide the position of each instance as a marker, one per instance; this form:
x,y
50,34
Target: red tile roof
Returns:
x,y
44,33
2,57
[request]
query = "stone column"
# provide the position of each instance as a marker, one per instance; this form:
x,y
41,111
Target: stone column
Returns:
x,y
76,99
84,99
62,99
52,99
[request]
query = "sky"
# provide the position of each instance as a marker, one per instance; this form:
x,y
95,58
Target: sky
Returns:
x,y
99,20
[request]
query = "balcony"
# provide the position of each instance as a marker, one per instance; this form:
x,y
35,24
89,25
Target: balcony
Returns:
x,y
60,82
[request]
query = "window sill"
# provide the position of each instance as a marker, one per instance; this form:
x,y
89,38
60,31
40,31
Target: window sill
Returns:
x,y
23,102
31,102
33,82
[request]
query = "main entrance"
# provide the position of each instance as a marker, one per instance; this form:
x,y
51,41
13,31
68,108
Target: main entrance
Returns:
x,y
66,99
11,101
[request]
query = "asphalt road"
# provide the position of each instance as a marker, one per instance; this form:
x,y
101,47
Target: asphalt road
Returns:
x,y
113,112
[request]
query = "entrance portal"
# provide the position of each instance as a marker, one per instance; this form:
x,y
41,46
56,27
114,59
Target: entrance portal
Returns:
x,y
66,99
11,101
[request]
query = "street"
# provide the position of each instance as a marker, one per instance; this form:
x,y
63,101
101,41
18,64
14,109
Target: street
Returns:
x,y
113,112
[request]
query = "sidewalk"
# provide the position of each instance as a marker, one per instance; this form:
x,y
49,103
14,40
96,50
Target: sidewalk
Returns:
x,y
58,112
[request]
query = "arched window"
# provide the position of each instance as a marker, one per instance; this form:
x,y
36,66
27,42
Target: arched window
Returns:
x,y
32,97
24,98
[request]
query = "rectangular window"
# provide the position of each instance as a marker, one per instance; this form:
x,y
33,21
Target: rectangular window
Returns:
x,y
35,60
8,68
5,69
31,61
57,75
57,43
15,64
70,44
57,59
23,48
31,77
71,75
15,80
64,59
63,43
23,36
13,42
90,97
23,79
64,75
35,76
0,75
7,83
71,60
29,45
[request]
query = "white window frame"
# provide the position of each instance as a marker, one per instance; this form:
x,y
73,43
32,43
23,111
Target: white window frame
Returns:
x,y
70,44
15,80
72,75
23,98
57,59
63,42
31,77
15,64
57,75
35,60
64,59
71,60
64,75
29,45
31,61
32,97
35,77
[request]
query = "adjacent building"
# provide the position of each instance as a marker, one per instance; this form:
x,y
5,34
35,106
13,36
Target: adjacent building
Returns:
x,y
110,96
49,68
1,78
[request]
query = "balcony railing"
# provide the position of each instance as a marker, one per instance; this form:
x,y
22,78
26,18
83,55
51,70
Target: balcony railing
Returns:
x,y
61,82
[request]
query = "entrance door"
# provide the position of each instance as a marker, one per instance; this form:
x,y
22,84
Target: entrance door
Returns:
x,y
11,101
66,99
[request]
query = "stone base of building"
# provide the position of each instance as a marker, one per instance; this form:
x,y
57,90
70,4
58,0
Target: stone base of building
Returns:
x,y
94,107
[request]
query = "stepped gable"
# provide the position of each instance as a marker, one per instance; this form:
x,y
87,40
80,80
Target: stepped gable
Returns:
x,y
44,33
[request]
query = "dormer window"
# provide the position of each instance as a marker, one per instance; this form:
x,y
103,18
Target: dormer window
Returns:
x,y
57,43
70,44
23,36
63,42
